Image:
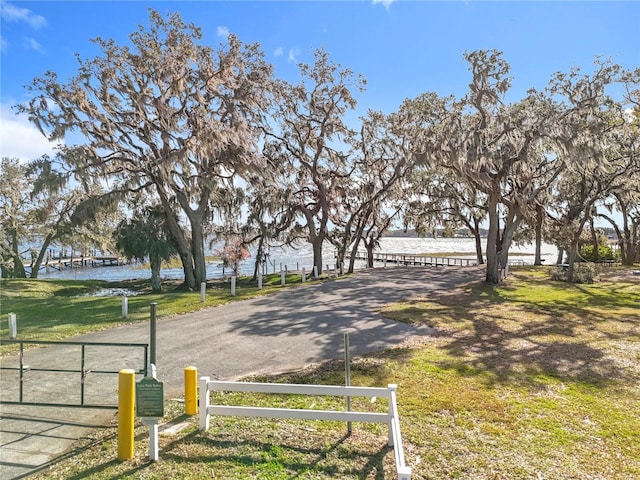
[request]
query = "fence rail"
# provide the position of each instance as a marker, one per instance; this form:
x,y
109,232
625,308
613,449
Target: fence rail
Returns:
x,y
416,259
391,417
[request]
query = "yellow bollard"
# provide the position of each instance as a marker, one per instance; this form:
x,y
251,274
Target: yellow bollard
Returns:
x,y
126,402
190,390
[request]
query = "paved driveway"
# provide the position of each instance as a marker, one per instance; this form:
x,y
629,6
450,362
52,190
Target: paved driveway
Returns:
x,y
270,334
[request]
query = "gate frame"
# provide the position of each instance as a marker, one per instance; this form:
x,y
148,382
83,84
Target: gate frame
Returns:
x,y
83,371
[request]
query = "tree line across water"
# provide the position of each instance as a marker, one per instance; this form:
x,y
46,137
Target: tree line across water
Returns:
x,y
195,143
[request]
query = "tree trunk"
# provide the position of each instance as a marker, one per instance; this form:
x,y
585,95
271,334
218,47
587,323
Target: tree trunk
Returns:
x,y
183,247
316,244
354,253
510,227
635,242
197,250
35,269
315,239
156,264
629,250
340,254
493,267
539,218
18,266
370,246
478,242
259,255
571,260
594,240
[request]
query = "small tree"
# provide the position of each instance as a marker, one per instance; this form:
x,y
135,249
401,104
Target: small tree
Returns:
x,y
147,235
233,254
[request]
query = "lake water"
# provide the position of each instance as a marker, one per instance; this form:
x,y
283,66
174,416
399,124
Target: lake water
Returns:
x,y
302,256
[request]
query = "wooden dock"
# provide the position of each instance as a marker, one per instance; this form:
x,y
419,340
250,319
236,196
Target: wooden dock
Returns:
x,y
61,263
416,259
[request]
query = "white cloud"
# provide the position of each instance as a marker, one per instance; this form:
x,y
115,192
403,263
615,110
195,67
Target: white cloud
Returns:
x,y
293,55
20,139
32,44
385,3
223,31
278,52
11,13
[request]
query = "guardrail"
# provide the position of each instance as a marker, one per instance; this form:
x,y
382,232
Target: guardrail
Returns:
x,y
390,418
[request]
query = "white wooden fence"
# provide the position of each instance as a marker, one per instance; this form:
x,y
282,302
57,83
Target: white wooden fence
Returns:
x,y
390,418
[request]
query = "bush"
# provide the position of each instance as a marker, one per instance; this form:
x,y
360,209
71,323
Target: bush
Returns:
x,y
582,273
604,254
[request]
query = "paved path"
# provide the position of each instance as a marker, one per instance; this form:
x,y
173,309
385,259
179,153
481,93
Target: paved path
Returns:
x,y
270,334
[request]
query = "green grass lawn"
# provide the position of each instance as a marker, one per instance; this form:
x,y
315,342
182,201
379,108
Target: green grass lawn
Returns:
x,y
530,379
59,309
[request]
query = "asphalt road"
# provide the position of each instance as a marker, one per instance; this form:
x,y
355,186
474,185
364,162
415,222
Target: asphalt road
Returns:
x,y
270,334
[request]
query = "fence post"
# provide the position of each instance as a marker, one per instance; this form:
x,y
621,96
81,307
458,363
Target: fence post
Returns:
x,y
347,374
203,405
13,326
203,291
126,398
282,277
392,390
233,285
125,306
315,271
304,275
190,390
259,280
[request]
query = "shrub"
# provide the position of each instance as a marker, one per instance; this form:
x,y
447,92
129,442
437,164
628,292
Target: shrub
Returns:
x,y
605,253
582,273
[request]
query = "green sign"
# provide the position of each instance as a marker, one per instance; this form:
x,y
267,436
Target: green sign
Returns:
x,y
149,398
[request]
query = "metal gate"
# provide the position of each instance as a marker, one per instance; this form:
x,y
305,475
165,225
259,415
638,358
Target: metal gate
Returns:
x,y
24,372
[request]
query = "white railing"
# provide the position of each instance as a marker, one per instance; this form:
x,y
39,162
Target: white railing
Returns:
x,y
390,418
416,259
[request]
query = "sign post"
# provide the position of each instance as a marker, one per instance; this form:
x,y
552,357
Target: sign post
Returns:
x,y
150,406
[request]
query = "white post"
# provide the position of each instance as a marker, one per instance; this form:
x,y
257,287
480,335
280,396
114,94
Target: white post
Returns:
x,y
342,268
13,326
315,271
392,388
304,275
203,290
282,277
347,375
152,423
233,285
125,306
259,280
404,473
203,403
153,441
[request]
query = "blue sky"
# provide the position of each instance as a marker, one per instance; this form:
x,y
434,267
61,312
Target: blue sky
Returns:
x,y
402,48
